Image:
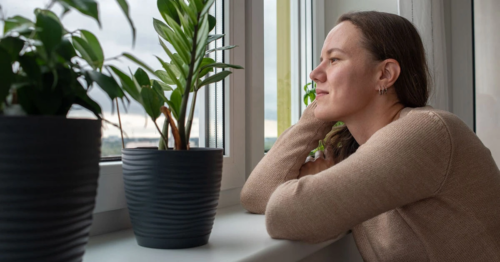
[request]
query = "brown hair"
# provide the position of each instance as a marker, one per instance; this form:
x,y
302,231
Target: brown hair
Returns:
x,y
386,36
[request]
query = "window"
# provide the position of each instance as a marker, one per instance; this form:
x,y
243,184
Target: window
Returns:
x,y
220,109
115,38
288,48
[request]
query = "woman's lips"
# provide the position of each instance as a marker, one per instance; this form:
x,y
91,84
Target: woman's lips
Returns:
x,y
320,93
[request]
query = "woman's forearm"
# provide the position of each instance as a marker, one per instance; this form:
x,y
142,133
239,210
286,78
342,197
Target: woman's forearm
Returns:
x,y
284,160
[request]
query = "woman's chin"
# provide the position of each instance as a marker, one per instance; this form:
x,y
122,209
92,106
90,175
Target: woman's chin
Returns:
x,y
323,115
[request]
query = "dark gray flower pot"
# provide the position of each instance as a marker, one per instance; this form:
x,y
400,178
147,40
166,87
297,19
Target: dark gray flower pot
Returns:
x,y
48,179
172,196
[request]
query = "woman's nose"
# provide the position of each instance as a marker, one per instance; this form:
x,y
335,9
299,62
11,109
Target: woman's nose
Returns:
x,y
318,75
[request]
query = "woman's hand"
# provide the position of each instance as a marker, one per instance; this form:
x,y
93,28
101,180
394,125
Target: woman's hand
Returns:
x,y
320,162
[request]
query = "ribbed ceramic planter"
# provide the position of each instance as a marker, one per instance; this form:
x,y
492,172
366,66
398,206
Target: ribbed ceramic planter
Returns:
x,y
172,196
48,179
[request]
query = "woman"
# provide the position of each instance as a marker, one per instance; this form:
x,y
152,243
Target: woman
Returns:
x,y
412,182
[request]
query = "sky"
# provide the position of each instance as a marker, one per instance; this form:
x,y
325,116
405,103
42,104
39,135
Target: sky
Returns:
x,y
116,37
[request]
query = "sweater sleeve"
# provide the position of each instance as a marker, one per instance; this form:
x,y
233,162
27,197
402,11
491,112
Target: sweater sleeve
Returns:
x,y
402,163
283,161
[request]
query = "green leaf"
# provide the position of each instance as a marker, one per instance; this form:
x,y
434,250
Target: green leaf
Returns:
x,y
221,48
215,78
158,88
193,7
220,65
207,61
161,29
164,86
211,23
186,25
204,70
192,15
86,7
31,68
127,84
13,45
179,35
178,40
17,23
94,44
167,8
202,37
312,96
212,38
205,9
199,4
203,30
175,102
139,62
151,102
171,73
66,50
142,78
86,52
85,101
175,59
40,102
48,13
50,32
6,74
107,83
137,86
163,76
305,87
124,6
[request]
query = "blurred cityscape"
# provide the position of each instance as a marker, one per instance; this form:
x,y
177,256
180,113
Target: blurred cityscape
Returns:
x,y
112,145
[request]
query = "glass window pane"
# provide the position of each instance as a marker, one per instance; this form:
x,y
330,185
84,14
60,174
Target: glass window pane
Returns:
x,y
287,63
215,92
270,80
115,38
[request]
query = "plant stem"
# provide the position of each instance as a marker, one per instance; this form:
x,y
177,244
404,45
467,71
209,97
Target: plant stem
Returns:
x,y
120,122
191,113
175,131
164,144
185,97
157,128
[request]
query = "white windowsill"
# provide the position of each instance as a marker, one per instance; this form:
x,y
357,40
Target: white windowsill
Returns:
x,y
236,236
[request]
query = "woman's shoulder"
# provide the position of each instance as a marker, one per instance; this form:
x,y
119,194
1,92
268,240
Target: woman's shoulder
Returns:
x,y
431,115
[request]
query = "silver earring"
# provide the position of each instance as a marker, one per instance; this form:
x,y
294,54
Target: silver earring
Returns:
x,y
385,90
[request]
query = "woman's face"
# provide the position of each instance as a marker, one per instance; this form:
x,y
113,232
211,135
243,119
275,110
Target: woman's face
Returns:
x,y
346,77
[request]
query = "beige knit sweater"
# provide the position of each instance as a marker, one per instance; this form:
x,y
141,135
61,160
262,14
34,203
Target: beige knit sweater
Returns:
x,y
422,188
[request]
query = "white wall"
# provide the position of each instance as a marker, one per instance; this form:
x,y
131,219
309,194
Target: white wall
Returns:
x,y
335,8
487,55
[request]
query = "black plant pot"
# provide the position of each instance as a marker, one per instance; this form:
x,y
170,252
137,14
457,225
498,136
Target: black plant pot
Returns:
x,y
172,196
48,179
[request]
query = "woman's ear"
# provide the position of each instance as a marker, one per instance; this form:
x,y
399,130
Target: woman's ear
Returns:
x,y
390,70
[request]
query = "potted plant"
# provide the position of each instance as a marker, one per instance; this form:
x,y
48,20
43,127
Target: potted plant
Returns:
x,y
172,194
49,164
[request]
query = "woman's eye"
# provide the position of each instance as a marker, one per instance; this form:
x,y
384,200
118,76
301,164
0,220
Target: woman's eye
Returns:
x,y
333,60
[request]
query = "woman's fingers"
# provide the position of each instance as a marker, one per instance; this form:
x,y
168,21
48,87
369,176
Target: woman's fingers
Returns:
x,y
319,154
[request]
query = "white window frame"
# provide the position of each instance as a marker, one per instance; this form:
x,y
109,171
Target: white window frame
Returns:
x,y
110,192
